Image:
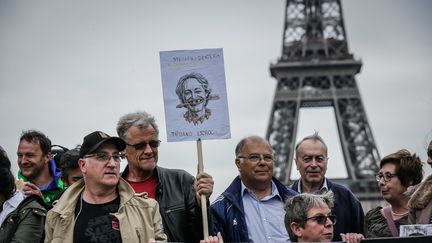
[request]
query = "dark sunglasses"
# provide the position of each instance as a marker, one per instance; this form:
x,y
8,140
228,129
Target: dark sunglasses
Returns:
x,y
143,145
322,219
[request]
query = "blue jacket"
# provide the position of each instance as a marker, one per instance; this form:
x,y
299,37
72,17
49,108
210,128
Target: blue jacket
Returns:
x,y
347,208
228,214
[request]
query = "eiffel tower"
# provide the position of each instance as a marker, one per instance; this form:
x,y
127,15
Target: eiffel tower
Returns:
x,y
316,69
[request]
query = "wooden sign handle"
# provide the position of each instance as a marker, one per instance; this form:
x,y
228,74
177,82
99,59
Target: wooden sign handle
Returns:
x,y
203,197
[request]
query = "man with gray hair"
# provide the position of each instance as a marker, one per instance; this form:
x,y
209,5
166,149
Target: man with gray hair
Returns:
x,y
311,161
251,208
308,218
176,191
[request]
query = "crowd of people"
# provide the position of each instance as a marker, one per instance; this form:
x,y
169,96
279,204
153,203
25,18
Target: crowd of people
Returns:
x,y
82,196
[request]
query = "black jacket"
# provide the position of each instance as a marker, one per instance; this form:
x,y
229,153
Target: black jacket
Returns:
x,y
181,214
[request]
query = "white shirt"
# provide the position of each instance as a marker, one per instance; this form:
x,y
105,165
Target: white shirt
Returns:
x,y
323,189
11,204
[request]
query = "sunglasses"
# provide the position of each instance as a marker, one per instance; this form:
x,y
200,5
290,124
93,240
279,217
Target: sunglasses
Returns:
x,y
143,145
322,219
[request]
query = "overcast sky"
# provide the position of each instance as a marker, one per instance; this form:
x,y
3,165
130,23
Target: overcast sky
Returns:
x,y
68,68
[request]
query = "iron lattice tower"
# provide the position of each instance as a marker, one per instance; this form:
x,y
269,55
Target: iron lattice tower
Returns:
x,y
317,70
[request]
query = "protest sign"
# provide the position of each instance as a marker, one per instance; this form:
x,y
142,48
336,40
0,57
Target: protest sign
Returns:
x,y
415,229
195,96
195,99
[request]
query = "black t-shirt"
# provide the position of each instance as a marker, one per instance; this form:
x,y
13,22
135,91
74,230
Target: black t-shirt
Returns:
x,y
95,224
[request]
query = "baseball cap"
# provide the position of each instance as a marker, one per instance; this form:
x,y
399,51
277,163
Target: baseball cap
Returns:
x,y
95,139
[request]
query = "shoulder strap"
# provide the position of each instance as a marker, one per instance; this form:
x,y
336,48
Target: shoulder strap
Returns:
x,y
16,214
390,222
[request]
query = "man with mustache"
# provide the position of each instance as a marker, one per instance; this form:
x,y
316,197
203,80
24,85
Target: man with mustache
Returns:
x,y
177,191
251,208
311,161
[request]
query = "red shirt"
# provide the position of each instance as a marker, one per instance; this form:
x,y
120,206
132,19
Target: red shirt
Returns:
x,y
148,186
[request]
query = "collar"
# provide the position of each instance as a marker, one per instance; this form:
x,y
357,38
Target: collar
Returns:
x,y
192,117
275,192
56,174
67,202
125,172
324,187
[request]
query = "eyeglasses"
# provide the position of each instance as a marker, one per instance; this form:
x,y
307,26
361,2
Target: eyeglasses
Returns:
x,y
322,219
143,145
318,158
387,176
105,157
257,157
429,154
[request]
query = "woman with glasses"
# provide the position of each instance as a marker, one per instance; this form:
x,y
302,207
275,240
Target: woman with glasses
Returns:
x,y
308,218
397,172
421,200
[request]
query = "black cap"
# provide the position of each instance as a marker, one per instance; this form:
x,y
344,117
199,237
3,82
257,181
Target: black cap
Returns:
x,y
95,139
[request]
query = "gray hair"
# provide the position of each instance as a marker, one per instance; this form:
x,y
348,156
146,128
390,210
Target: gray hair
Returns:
x,y
141,119
297,207
241,144
314,137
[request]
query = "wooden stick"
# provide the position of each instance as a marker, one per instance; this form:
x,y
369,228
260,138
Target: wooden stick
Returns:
x,y
203,197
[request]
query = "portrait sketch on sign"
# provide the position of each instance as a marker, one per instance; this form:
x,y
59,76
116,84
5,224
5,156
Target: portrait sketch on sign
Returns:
x,y
195,96
194,93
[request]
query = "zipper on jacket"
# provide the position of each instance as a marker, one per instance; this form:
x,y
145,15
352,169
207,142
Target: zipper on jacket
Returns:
x,y
174,209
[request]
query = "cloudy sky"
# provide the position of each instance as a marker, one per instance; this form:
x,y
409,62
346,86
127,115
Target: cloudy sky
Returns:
x,y
68,68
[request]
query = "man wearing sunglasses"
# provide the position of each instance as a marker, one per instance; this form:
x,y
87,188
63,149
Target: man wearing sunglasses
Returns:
x,y
102,207
308,218
251,208
177,192
311,161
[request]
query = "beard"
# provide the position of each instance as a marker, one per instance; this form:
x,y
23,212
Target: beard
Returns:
x,y
34,172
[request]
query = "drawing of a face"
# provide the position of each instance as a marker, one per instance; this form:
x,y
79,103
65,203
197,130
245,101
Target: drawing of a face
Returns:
x,y
194,95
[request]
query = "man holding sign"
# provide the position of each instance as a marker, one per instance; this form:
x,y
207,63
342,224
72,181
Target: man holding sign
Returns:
x,y
176,191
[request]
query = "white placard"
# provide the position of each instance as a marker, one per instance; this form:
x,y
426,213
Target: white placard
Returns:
x,y
415,230
195,96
